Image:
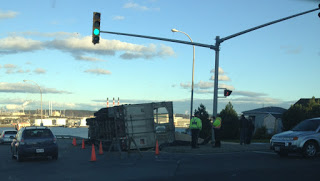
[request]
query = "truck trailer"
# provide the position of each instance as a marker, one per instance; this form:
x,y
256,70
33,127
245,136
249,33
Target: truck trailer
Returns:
x,y
132,126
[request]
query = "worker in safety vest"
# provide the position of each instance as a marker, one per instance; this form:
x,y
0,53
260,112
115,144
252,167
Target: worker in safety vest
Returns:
x,y
195,127
216,124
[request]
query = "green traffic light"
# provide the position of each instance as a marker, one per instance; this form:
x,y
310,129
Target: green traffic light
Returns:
x,y
96,31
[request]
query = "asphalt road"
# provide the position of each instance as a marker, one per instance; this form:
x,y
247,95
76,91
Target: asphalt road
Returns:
x,y
74,164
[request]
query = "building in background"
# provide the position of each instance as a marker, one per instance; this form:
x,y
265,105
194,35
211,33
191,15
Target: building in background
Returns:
x,y
270,117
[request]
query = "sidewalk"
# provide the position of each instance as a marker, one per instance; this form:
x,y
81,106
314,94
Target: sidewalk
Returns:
x,y
226,147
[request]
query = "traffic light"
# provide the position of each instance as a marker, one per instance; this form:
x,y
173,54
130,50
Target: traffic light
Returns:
x,y
227,92
96,28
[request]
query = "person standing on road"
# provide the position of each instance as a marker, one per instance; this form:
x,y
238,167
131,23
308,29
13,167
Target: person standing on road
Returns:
x,y
243,129
216,127
195,127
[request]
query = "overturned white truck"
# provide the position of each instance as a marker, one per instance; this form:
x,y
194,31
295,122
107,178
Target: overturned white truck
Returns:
x,y
133,126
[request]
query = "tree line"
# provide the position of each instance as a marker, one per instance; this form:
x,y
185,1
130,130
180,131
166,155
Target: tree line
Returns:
x,y
299,112
230,120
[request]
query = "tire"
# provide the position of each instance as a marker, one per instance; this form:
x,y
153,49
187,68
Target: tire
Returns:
x,y
309,149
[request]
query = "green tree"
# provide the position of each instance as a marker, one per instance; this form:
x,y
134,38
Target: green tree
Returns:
x,y
294,115
230,123
205,133
297,113
313,108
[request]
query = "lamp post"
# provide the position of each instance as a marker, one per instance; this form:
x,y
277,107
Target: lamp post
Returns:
x,y
41,124
192,84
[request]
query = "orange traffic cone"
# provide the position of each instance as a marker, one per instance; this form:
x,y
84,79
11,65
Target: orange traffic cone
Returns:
x,y
74,142
93,154
100,149
157,148
83,147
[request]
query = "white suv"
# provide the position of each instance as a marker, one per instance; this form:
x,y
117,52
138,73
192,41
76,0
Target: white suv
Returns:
x,y
303,138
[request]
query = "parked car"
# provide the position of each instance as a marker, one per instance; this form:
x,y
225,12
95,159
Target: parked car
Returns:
x,y
303,138
7,136
34,142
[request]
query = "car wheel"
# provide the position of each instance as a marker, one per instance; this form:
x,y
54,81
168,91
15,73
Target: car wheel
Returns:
x,y
19,157
310,149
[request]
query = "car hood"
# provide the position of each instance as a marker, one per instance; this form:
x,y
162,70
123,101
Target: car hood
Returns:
x,y
293,134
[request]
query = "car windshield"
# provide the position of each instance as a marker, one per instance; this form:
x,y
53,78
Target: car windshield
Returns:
x,y
37,133
307,125
10,132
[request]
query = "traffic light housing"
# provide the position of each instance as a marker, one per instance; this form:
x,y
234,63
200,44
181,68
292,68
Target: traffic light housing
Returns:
x,y
227,92
96,28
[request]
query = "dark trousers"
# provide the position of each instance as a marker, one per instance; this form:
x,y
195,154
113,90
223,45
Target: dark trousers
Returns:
x,y
195,136
249,136
217,137
243,135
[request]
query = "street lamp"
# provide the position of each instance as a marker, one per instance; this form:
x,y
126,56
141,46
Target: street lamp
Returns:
x,y
175,30
41,124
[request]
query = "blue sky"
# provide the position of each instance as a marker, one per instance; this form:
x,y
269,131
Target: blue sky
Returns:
x,y
49,42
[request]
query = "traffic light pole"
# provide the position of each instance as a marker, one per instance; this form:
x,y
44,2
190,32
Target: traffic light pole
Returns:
x,y
215,47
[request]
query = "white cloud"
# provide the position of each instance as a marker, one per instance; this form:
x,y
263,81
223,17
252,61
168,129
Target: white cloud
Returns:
x,y
291,49
39,71
118,18
79,46
90,59
98,71
27,88
23,71
9,66
8,14
221,78
221,71
230,87
131,5
204,86
185,85
249,94
12,45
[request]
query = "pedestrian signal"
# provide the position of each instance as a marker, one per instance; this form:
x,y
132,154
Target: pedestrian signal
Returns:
x,y
227,92
96,28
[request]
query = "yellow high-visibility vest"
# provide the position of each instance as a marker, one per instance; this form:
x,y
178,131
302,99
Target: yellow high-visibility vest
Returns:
x,y
195,123
217,123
